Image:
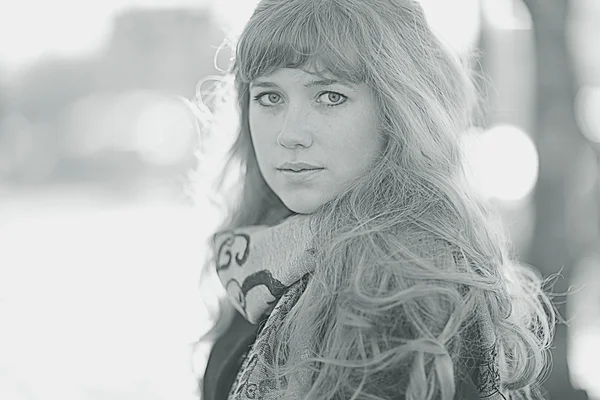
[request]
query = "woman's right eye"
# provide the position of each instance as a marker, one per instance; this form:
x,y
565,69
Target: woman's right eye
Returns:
x,y
271,96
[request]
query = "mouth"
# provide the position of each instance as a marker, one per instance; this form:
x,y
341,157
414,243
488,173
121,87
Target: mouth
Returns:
x,y
301,175
301,170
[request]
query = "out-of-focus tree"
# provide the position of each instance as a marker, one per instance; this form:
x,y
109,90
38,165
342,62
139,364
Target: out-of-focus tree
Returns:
x,y
564,215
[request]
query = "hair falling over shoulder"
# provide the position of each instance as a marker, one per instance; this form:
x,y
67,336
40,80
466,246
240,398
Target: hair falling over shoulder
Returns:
x,y
410,255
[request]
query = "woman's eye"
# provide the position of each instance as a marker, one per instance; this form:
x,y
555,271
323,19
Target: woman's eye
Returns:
x,y
271,97
334,98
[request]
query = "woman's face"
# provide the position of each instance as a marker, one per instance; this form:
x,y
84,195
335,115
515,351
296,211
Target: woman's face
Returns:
x,y
295,117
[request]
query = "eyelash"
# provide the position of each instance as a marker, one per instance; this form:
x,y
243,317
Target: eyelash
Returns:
x,y
260,95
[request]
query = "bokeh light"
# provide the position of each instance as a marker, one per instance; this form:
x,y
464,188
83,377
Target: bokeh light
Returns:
x,y
504,162
587,111
160,128
442,16
164,132
507,14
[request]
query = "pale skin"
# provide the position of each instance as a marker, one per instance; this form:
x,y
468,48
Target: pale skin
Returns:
x,y
331,125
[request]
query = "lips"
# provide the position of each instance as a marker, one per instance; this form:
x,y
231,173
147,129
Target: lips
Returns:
x,y
299,170
298,166
300,177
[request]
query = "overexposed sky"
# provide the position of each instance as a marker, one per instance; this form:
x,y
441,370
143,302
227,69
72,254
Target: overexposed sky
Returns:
x,y
31,28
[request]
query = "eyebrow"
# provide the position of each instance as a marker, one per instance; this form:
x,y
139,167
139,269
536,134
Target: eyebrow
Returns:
x,y
320,82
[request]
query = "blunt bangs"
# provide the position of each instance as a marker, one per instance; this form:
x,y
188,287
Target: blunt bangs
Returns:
x,y
317,39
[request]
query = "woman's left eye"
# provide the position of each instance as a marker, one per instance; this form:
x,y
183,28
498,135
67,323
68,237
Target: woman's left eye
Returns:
x,y
334,97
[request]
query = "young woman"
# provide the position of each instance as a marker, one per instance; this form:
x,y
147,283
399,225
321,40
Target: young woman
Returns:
x,y
356,260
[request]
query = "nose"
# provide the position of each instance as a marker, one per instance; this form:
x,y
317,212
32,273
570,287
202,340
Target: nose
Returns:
x,y
296,129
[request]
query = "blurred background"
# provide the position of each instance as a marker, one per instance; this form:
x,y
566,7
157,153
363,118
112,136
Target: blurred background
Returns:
x,y
100,249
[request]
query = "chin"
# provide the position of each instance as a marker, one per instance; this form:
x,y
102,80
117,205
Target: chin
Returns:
x,y
301,207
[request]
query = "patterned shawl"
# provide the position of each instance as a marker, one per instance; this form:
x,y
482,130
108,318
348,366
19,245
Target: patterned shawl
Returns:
x,y
265,270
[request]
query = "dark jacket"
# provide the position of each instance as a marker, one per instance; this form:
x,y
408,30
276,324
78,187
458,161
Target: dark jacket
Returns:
x,y
226,357
227,353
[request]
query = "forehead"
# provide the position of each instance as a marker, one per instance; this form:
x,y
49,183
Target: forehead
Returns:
x,y
301,76
297,73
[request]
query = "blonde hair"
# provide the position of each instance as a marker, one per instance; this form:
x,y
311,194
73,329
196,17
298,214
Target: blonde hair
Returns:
x,y
410,254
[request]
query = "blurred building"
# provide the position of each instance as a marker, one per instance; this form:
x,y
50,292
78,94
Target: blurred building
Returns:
x,y
160,50
64,115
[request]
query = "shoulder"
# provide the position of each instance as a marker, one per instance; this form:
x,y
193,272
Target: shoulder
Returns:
x,y
226,358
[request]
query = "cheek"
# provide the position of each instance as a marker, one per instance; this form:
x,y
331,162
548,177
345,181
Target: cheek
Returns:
x,y
360,141
262,128
260,133
360,151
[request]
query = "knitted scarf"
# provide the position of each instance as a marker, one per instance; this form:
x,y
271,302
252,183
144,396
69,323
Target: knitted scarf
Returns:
x,y
265,270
